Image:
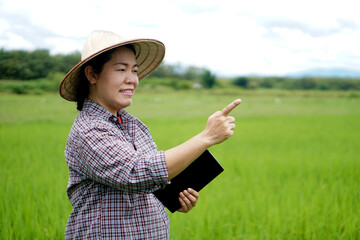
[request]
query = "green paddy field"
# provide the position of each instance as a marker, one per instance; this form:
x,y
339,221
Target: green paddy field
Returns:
x,y
292,168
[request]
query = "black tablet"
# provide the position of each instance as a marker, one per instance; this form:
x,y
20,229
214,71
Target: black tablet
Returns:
x,y
196,176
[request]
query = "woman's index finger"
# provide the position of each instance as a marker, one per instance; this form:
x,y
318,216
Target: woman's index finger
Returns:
x,y
231,106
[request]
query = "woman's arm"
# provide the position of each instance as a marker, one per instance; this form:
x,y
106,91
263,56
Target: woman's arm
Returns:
x,y
219,127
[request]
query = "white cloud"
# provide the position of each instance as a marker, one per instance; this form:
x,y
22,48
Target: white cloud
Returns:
x,y
17,42
227,36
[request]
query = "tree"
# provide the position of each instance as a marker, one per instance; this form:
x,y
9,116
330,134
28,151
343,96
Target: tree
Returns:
x,y
241,81
208,79
163,71
19,64
193,73
65,62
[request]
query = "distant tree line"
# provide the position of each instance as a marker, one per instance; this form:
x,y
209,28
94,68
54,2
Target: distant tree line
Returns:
x,y
29,65
39,65
187,75
303,83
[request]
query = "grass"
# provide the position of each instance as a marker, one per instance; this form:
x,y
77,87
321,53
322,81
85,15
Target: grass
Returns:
x,y
291,169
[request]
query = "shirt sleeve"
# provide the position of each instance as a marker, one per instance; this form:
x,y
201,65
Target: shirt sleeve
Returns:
x,y
111,160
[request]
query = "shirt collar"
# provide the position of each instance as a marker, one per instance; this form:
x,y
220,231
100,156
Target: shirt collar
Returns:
x,y
93,108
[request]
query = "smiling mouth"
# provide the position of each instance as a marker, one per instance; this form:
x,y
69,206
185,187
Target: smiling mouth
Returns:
x,y
126,91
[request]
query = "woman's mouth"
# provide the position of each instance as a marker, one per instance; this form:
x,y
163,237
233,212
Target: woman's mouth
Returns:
x,y
128,92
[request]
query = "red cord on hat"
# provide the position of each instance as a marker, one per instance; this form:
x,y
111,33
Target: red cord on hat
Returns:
x,y
120,120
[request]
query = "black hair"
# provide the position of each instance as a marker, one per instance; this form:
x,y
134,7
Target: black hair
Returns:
x,y
97,63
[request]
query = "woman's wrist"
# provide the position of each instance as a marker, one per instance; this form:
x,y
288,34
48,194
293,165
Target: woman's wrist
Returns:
x,y
204,140
201,141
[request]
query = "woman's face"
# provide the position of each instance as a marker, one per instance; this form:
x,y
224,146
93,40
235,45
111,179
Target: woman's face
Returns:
x,y
114,87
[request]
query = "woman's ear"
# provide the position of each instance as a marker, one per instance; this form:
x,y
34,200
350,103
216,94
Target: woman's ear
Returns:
x,y
90,74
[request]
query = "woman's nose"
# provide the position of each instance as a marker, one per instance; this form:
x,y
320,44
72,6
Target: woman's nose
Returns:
x,y
131,78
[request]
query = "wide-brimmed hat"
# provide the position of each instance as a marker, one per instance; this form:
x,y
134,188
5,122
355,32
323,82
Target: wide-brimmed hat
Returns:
x,y
149,53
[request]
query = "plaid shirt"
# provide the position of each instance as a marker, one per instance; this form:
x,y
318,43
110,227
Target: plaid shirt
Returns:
x,y
113,170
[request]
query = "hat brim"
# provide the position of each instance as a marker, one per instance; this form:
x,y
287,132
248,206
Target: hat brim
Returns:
x,y
149,53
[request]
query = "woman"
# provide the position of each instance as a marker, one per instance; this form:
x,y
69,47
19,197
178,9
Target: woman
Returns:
x,y
114,164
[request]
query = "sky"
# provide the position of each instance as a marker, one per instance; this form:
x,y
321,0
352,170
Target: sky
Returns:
x,y
228,37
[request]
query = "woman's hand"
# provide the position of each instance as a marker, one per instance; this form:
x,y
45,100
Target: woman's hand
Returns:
x,y
220,126
188,199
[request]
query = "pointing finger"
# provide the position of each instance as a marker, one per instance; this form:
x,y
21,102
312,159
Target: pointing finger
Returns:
x,y
230,107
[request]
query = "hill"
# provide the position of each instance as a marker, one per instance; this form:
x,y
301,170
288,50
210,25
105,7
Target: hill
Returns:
x,y
326,73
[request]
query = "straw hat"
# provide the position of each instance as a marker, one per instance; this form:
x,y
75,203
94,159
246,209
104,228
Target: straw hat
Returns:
x,y
149,54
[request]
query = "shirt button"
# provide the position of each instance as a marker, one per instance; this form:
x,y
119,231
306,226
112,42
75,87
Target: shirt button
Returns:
x,y
113,119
